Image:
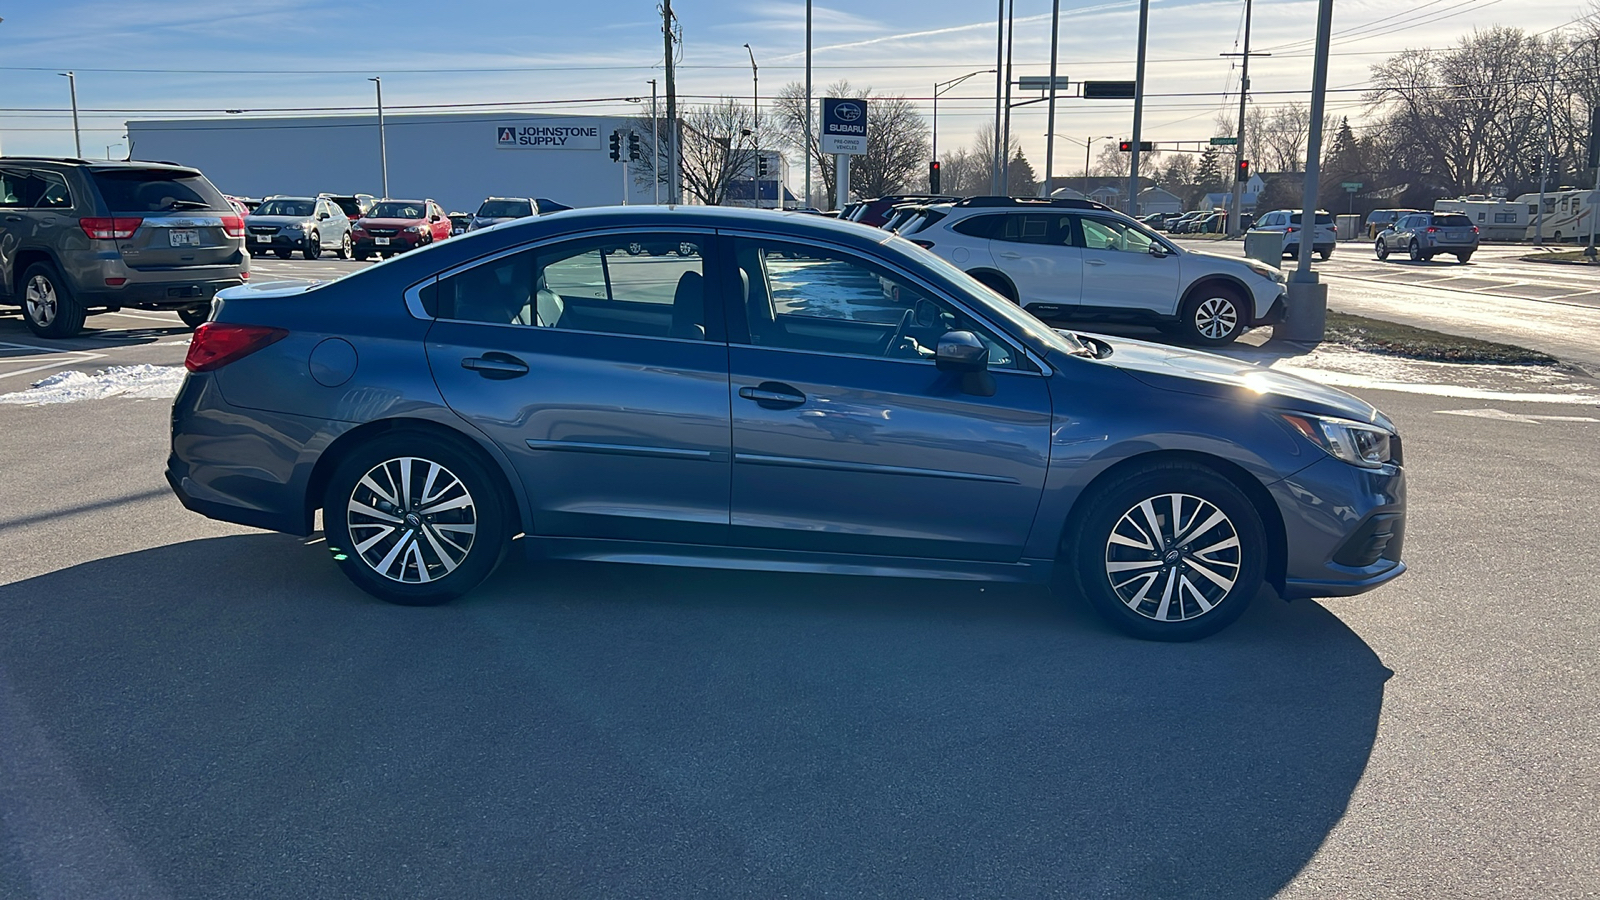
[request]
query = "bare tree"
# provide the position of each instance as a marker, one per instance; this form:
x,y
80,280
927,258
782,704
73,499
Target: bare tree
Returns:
x,y
717,144
960,175
897,140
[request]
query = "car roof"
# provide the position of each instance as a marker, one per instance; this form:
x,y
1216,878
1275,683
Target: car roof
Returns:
x,y
778,222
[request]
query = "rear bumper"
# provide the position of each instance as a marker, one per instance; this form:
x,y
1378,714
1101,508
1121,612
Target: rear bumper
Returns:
x,y
170,293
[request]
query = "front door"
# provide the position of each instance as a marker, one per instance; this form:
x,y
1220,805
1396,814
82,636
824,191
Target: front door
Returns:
x,y
847,438
590,362
1119,271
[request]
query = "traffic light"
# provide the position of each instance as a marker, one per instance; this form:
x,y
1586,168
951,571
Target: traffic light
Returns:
x,y
1594,138
1144,146
1242,173
761,166
635,151
616,146
933,177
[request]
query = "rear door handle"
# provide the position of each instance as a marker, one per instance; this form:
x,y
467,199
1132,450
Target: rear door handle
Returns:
x,y
1095,262
773,395
1011,256
498,366
13,218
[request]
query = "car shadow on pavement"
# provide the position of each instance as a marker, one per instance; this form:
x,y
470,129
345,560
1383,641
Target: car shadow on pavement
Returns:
x,y
96,335
229,717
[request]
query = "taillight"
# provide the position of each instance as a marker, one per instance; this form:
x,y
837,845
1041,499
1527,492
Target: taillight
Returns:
x,y
926,245
1432,230
1292,229
233,225
217,344
104,228
1474,229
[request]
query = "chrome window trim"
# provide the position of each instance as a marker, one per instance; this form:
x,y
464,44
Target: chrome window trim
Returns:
x,y
1017,347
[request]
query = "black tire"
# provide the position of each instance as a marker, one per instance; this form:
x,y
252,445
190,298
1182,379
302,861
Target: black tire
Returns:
x,y
1292,251
313,248
997,284
1381,249
1114,508
1463,257
363,255
345,246
1324,254
283,254
372,551
194,316
1415,252
1213,316
48,305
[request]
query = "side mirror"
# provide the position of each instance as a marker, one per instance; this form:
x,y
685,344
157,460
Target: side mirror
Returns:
x,y
961,351
1158,251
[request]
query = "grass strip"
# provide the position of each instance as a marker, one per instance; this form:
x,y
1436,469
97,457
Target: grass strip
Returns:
x,y
1393,339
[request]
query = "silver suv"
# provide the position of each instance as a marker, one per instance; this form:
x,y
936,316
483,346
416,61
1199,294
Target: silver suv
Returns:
x,y
1065,260
80,237
282,225
1423,235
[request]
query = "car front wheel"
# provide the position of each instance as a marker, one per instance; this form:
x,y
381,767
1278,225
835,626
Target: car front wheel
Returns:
x,y
1381,250
1171,552
1214,316
344,250
414,519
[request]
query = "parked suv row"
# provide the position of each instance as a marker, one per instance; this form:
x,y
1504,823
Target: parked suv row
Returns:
x,y
282,225
1065,260
80,237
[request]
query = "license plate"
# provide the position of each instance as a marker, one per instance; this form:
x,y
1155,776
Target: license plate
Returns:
x,y
381,242
185,237
261,238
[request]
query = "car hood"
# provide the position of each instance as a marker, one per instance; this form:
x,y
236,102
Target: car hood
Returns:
x,y
391,223
280,221
1215,257
1214,375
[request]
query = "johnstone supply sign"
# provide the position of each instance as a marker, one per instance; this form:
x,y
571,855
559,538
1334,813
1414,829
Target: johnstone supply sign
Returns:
x,y
844,126
555,136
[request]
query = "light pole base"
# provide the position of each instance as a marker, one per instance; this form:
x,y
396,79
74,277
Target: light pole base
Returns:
x,y
1305,315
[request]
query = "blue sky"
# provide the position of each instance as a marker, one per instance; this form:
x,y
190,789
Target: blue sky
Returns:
x,y
585,56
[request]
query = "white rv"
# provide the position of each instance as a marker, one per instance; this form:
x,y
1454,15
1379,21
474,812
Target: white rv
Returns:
x,y
1567,214
1497,218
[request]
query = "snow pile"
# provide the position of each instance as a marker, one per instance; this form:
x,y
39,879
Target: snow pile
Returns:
x,y
142,382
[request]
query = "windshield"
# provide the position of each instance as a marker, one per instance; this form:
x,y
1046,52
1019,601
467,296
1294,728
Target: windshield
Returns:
x,y
397,209
505,209
300,209
157,190
988,301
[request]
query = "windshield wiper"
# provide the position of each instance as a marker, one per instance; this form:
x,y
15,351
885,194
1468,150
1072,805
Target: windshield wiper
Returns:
x,y
187,204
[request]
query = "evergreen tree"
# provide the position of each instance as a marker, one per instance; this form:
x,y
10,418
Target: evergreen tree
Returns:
x,y
1021,180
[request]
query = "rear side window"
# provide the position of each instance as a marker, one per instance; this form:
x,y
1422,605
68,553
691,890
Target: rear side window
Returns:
x,y
1452,221
157,190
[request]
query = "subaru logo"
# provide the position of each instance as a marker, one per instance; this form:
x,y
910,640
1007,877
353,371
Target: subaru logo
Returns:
x,y
847,112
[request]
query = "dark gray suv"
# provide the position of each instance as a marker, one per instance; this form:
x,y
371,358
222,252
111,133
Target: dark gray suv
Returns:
x,y
80,237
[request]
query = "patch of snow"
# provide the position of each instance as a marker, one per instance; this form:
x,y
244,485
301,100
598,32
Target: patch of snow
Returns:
x,y
142,382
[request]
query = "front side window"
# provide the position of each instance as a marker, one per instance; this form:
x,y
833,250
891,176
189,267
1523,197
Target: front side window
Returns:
x,y
1109,234
807,298
648,286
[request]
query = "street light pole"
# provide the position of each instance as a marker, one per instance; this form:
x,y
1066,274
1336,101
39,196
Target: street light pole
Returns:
x,y
1005,144
383,140
999,94
755,132
1050,127
807,143
1306,305
77,137
655,143
1138,111
941,88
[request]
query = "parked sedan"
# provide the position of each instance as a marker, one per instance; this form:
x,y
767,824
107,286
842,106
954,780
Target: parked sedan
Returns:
x,y
395,226
538,380
495,210
282,225
1424,235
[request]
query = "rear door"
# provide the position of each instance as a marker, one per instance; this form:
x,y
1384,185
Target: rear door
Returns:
x,y
1036,252
19,188
596,372
181,215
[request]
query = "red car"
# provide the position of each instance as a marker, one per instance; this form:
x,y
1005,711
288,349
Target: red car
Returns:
x,y
395,226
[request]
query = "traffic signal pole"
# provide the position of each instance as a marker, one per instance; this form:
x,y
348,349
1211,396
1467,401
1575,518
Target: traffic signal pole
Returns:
x,y
1138,111
1306,307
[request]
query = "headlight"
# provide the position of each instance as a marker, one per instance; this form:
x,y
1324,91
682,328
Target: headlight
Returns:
x,y
1264,270
1357,443
291,227
419,229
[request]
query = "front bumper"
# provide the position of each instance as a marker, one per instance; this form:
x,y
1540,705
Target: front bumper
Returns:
x,y
1344,528
262,243
398,242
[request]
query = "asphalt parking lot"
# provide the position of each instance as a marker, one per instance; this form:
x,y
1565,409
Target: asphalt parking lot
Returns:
x,y
192,709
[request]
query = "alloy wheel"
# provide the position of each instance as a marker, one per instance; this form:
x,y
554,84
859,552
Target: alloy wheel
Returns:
x,y
1173,557
41,301
1215,318
411,520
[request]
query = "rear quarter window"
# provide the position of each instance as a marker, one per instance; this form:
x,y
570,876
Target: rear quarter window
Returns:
x,y
977,226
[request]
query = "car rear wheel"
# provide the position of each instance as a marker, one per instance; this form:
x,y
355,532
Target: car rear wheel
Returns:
x,y
313,247
1324,254
345,246
1214,316
1171,552
997,284
1380,249
414,519
1464,256
48,305
194,316
1415,252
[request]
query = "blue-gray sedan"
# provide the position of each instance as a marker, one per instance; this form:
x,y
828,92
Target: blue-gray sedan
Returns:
x,y
751,389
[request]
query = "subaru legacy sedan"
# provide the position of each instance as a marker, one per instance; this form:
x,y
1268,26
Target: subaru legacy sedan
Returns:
x,y
772,391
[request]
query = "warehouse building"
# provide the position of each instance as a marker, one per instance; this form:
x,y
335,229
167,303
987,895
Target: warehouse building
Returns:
x,y
455,159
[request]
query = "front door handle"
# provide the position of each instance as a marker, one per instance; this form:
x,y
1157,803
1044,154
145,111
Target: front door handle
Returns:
x,y
13,218
773,395
1011,256
1095,262
499,366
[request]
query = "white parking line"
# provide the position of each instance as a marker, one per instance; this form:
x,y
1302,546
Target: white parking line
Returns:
x,y
58,358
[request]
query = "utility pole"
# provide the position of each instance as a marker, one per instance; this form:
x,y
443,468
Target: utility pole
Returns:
x,y
1050,127
1005,142
655,143
1544,155
1236,204
810,135
383,141
673,183
999,94
77,137
1138,111
755,131
1306,306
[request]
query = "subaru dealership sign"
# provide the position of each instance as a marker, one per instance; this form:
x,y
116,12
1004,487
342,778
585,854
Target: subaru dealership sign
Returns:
x,y
554,136
844,125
